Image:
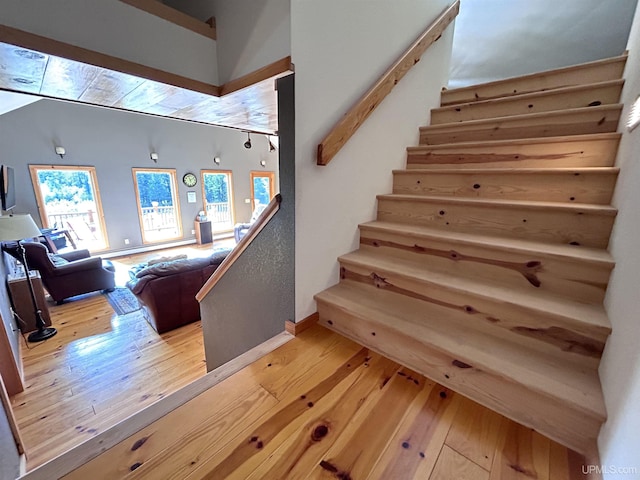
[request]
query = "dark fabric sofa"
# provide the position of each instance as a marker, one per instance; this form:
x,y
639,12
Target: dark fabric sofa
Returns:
x,y
166,291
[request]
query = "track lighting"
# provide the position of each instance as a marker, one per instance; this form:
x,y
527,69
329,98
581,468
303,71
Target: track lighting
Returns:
x,y
247,144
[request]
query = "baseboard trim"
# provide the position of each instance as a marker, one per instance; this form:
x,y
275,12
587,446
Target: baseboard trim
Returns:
x,y
88,450
296,328
145,248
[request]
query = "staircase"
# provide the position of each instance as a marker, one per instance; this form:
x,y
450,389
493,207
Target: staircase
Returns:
x,y
487,266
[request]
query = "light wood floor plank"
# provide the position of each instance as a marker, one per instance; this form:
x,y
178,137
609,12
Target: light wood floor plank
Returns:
x,y
320,406
474,433
522,454
451,465
414,448
355,453
303,450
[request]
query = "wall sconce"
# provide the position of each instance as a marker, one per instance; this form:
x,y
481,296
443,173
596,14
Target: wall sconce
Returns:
x,y
263,163
154,157
216,160
61,151
247,144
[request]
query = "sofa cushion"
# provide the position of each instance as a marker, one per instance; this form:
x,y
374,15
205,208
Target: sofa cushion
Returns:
x,y
164,269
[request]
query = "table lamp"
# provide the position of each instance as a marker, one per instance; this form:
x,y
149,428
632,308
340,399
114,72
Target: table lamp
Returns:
x,y
16,228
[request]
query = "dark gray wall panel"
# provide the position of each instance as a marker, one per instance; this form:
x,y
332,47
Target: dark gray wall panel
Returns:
x,y
257,294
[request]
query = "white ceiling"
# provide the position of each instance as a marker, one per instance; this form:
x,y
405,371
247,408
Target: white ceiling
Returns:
x,y
497,39
12,101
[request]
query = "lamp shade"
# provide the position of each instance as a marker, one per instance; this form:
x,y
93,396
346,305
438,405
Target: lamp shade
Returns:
x,y
17,227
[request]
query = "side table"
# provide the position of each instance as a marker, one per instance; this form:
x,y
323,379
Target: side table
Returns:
x,y
204,234
21,299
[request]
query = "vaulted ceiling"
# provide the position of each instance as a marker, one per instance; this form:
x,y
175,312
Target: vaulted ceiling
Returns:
x,y
497,39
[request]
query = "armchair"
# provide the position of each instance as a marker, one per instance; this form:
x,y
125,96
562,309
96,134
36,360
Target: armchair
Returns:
x,y
68,274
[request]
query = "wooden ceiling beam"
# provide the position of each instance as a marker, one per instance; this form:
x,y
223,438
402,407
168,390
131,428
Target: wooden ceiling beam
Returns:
x,y
159,9
56,48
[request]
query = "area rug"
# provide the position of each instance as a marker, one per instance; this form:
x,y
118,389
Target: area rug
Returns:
x,y
123,301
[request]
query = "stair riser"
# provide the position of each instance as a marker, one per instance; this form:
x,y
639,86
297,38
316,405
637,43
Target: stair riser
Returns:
x,y
561,154
544,224
588,121
594,188
579,76
546,415
577,280
547,102
566,337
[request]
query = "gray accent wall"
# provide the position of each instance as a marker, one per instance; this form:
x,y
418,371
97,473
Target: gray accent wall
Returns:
x,y
257,294
115,141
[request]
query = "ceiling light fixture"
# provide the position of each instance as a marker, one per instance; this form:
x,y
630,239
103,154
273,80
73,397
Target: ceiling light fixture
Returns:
x,y
263,163
60,151
216,160
247,144
154,157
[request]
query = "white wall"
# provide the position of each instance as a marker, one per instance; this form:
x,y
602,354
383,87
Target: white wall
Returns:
x,y
339,48
117,29
619,439
504,38
251,33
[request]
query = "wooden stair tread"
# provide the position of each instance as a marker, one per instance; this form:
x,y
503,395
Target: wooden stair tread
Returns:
x,y
593,255
538,300
506,81
443,330
525,116
534,95
521,204
517,141
507,171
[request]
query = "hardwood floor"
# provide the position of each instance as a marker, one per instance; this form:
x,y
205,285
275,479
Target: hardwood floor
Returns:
x,y
322,406
100,368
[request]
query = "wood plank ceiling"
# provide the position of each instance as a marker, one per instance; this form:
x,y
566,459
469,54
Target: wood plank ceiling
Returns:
x,y
22,70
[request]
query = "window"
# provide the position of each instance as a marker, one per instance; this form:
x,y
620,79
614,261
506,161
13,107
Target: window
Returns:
x,y
69,201
262,187
158,207
218,199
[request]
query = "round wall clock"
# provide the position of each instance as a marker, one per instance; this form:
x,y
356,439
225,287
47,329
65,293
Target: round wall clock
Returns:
x,y
189,180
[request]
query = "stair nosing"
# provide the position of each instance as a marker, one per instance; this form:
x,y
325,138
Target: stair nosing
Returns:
x,y
518,141
495,243
525,116
532,95
475,288
604,61
598,413
605,210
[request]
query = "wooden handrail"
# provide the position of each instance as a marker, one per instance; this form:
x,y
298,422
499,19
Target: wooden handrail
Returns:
x,y
242,245
356,116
